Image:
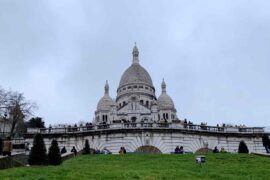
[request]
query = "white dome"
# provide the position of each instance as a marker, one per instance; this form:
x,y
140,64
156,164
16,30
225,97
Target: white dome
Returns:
x,y
165,102
105,103
135,74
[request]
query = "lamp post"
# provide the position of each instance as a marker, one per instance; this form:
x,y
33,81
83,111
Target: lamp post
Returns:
x,y
5,117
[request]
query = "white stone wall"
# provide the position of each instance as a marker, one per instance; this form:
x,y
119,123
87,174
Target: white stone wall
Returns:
x,y
165,142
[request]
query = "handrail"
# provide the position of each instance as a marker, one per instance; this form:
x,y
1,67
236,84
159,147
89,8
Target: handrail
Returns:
x,y
142,125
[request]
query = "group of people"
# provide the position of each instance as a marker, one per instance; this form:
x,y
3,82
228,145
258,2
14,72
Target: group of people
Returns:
x,y
187,123
230,125
179,150
122,150
216,150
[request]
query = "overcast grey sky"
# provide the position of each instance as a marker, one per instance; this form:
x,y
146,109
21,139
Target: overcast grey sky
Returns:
x,y
214,55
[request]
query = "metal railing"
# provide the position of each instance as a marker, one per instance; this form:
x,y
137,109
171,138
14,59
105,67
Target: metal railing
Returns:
x,y
183,126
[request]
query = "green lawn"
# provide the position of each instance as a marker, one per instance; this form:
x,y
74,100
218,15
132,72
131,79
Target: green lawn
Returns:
x,y
217,166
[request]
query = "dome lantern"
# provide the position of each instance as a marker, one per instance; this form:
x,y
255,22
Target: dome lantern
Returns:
x,y
106,88
135,54
163,86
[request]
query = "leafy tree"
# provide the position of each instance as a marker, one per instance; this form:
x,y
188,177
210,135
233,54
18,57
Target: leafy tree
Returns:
x,y
86,149
36,123
54,154
38,155
242,147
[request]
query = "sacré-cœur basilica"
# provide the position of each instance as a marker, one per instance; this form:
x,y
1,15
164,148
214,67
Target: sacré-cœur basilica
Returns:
x,y
136,100
139,121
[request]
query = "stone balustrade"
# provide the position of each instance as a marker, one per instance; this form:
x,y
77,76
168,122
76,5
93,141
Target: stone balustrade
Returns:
x,y
174,126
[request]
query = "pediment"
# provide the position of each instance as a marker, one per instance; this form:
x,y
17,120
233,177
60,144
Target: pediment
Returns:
x,y
134,107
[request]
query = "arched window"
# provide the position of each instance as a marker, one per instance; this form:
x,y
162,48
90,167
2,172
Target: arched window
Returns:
x,y
167,116
164,116
147,103
141,101
133,119
158,117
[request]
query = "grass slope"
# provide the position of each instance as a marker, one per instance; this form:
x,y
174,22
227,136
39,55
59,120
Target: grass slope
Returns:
x,y
217,166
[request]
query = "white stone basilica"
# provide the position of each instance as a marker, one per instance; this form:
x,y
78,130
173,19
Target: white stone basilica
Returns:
x,y
136,101
136,120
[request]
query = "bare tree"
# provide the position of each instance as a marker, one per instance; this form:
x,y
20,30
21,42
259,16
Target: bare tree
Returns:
x,y
19,109
15,108
4,99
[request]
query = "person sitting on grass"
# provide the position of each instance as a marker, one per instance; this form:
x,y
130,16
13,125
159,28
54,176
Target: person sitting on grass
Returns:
x,y
181,150
63,150
216,150
74,150
177,150
97,151
122,150
222,150
106,151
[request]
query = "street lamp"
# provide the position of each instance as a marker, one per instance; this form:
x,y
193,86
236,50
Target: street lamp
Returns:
x,y
5,118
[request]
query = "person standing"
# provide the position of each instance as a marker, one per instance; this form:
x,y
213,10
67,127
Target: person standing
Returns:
x,y
74,150
266,143
7,148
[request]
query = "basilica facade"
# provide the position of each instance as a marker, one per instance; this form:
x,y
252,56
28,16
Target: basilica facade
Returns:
x,y
136,100
142,123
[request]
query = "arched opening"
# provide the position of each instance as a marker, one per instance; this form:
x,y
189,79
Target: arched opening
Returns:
x,y
148,150
133,119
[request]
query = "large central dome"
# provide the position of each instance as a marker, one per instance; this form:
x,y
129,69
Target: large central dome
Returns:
x,y
135,74
135,81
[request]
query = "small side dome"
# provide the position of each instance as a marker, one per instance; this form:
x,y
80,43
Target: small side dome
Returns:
x,y
164,101
106,101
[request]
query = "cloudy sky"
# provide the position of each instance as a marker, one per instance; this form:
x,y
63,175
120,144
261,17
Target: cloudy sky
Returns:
x,y
214,55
